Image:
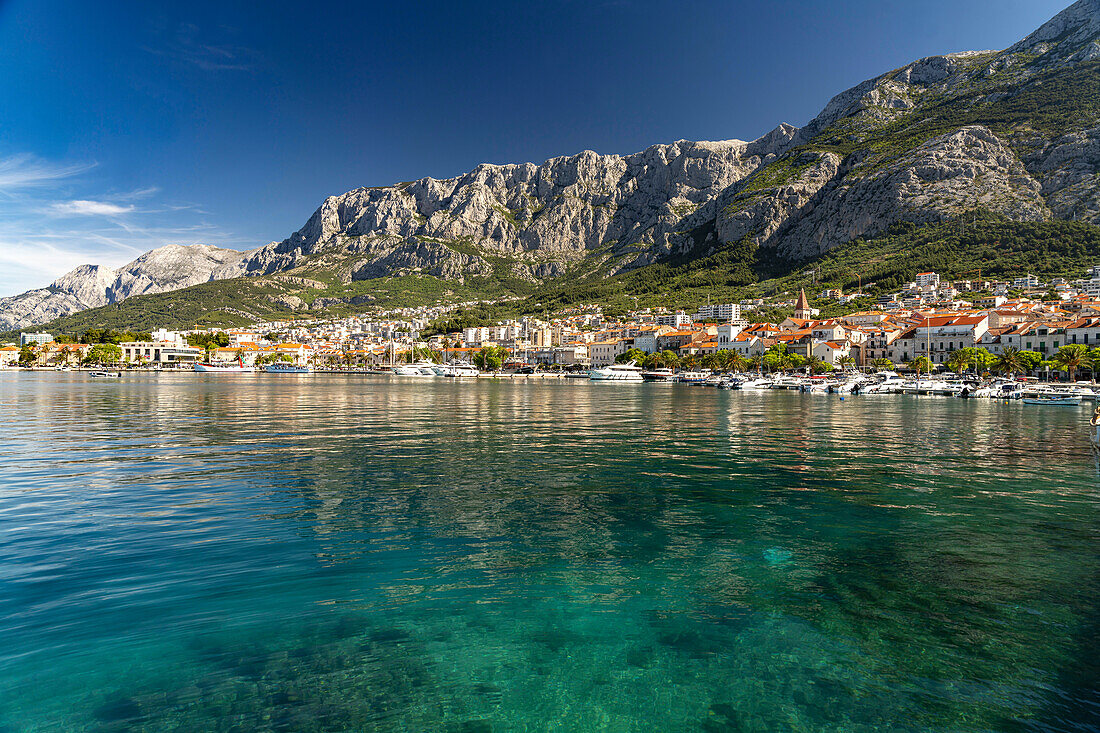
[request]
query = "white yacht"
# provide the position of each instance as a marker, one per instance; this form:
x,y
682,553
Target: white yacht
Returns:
x,y
419,369
659,375
464,369
285,367
629,372
756,383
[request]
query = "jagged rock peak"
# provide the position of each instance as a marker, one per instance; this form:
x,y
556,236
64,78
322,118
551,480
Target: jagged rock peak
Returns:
x,y
170,267
1073,29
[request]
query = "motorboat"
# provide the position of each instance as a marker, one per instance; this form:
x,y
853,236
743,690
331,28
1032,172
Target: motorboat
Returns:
x,y
659,375
105,375
693,377
788,382
1052,399
629,372
756,383
285,367
457,369
416,369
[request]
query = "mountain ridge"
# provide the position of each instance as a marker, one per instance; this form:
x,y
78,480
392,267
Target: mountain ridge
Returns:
x,y
1012,133
171,267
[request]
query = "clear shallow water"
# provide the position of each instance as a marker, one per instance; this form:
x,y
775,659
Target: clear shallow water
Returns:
x,y
315,553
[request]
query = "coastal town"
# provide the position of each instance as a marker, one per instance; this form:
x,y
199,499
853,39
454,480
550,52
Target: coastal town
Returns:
x,y
943,322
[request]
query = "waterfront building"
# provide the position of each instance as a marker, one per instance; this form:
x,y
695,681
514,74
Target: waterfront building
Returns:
x,y
831,352
9,355
603,353
937,336
1084,331
646,338
34,338
159,352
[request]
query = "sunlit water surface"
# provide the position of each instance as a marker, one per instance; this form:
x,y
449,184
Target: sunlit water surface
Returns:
x,y
324,553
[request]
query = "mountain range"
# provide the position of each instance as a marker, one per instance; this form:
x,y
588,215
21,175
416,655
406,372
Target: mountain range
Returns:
x,y
1012,134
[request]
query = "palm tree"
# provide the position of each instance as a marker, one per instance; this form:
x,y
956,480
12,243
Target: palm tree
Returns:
x,y
958,361
815,364
883,363
757,363
846,361
1071,358
737,362
1009,362
921,364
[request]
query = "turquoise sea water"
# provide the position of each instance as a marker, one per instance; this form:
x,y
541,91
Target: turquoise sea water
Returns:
x,y
329,553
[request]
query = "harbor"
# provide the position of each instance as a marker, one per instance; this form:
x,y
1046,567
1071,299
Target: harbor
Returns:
x,y
186,547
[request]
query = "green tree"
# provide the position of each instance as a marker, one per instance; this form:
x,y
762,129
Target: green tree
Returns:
x,y
27,355
848,362
737,362
921,365
1072,357
883,364
814,364
635,355
778,358
1030,360
103,353
958,361
1010,361
490,358
666,359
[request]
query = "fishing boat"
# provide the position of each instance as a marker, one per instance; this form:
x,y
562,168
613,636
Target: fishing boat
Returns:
x,y
629,372
285,367
203,366
1053,400
699,377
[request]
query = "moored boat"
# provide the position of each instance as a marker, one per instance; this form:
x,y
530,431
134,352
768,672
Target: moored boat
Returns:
x,y
629,372
203,366
659,375
1052,400
284,367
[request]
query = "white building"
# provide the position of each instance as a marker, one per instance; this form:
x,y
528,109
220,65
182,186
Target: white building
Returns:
x,y
159,352
676,320
722,313
34,338
603,353
927,280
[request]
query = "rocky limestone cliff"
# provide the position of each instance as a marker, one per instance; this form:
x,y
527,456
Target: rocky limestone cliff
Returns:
x,y
923,143
1016,132
171,267
543,216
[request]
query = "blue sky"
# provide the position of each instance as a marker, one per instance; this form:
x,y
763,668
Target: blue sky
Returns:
x,y
128,125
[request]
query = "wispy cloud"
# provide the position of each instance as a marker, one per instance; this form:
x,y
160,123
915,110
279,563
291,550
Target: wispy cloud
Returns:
x,y
52,219
192,46
27,171
81,207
